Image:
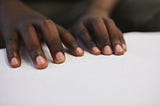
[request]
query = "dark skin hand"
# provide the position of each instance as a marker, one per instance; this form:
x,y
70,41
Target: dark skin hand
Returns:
x,y
98,31
20,23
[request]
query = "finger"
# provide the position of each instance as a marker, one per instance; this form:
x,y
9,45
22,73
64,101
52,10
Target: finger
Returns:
x,y
114,37
122,40
12,49
69,42
100,35
52,38
32,42
85,37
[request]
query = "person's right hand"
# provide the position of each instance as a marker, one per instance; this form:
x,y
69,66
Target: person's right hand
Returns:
x,y
19,22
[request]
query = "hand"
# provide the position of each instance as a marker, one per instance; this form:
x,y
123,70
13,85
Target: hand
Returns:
x,y
99,33
19,22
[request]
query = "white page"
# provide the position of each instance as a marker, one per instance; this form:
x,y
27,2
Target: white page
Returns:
x,y
129,80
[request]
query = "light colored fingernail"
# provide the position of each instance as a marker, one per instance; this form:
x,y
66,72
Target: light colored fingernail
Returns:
x,y
107,50
79,50
14,61
124,46
60,57
119,49
96,50
40,60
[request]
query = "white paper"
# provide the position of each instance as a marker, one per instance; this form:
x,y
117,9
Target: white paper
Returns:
x,y
129,80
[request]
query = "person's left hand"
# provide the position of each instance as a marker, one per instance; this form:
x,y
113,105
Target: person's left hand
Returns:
x,y
99,33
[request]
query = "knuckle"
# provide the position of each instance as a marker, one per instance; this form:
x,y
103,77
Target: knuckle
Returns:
x,y
82,32
115,40
34,49
114,37
23,25
73,43
90,44
55,44
103,41
49,28
94,20
63,31
76,27
54,40
11,40
48,22
109,21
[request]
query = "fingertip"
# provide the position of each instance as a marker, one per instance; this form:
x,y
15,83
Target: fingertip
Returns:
x,y
59,58
95,50
107,50
79,51
118,50
15,62
41,62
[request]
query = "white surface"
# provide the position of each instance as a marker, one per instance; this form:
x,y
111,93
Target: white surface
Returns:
x,y
129,80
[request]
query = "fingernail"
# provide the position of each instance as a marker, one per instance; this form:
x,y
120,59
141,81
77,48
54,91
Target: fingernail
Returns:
x,y
40,60
60,57
96,50
124,47
107,50
118,49
79,51
14,61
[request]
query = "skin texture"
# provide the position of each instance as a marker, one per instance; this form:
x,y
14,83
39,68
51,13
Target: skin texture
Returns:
x,y
20,23
98,31
95,28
